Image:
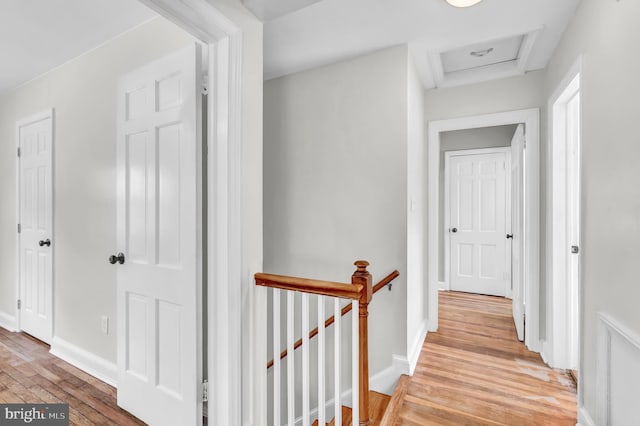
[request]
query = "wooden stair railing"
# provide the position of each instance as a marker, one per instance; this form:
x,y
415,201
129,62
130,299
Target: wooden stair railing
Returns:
x,y
386,281
360,289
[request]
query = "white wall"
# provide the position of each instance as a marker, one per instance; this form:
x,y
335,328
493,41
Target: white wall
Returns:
x,y
83,94
335,181
485,137
508,94
417,300
606,33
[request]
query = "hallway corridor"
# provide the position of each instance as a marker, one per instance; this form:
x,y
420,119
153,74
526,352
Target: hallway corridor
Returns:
x,y
474,371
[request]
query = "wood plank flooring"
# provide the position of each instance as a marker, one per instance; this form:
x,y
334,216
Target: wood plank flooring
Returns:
x,y
474,371
29,373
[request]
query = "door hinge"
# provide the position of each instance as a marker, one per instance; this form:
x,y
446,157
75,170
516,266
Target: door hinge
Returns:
x,y
19,304
205,85
19,228
18,151
205,391
524,143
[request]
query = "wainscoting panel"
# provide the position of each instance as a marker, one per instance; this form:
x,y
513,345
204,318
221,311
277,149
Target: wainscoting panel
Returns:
x,y
618,373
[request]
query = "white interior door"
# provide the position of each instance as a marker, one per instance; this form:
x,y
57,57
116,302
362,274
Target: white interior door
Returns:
x,y
477,219
573,228
159,284
35,138
517,229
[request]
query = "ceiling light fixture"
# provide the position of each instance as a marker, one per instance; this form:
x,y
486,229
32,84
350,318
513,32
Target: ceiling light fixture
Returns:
x,y
463,3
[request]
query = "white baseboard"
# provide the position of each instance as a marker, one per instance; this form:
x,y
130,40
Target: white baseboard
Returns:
x,y
8,321
416,346
442,286
90,363
545,352
584,418
386,380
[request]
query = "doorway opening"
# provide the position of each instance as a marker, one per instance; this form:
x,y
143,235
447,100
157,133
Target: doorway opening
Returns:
x,y
530,223
563,339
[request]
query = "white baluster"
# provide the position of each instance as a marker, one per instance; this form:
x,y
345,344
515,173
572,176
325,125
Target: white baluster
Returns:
x,y
277,391
337,314
321,366
305,360
355,362
291,383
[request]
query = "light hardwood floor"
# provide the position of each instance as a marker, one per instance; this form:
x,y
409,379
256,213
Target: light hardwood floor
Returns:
x,y
29,373
474,371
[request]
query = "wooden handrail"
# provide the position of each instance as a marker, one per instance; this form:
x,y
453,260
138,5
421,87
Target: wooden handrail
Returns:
x,y
305,285
346,309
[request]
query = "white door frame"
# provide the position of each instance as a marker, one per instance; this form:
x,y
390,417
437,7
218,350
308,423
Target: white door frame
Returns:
x,y
42,115
555,351
447,200
531,119
227,362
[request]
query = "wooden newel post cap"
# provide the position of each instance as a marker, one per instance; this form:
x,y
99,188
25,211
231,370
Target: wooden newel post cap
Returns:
x,y
361,265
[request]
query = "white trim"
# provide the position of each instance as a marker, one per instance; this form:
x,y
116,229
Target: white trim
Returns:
x,y
447,200
416,346
227,362
556,301
544,351
443,286
7,321
584,418
34,118
86,361
607,328
531,119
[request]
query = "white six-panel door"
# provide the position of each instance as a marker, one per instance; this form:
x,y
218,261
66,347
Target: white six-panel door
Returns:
x,y
159,283
35,192
517,229
477,223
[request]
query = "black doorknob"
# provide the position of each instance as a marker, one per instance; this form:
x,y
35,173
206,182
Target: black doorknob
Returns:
x,y
454,230
113,259
510,236
46,242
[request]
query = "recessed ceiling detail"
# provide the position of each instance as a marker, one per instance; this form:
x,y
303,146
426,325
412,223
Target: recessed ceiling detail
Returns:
x,y
481,61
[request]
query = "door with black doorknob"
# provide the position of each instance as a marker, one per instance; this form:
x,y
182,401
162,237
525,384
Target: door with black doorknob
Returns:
x,y
35,192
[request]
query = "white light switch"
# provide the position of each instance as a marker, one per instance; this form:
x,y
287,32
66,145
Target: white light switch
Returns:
x,y
104,324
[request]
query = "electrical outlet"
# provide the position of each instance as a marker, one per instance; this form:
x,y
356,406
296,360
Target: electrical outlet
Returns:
x,y
104,324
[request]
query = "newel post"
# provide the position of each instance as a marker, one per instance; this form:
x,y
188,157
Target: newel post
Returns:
x,y
363,277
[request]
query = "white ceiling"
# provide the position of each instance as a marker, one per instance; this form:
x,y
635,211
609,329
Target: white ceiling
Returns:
x,y
38,35
304,34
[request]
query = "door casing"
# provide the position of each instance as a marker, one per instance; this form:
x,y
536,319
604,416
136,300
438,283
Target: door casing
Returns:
x,y
42,115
